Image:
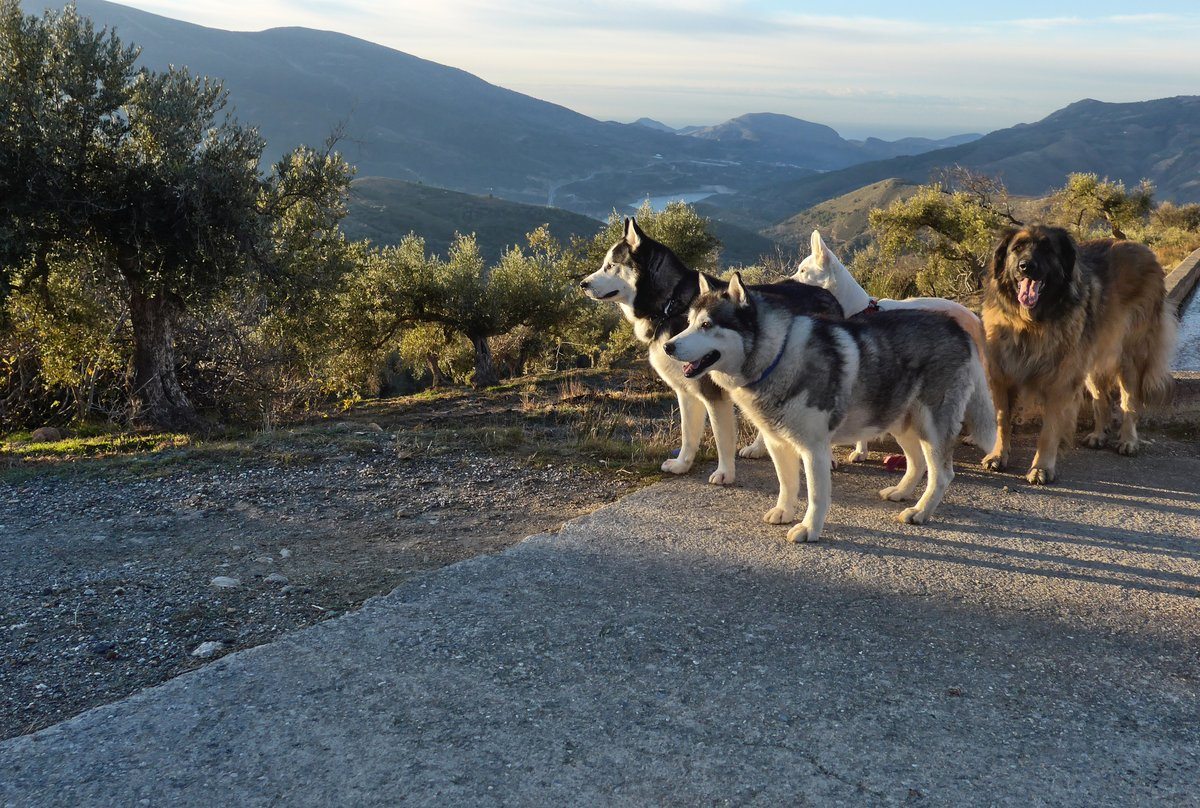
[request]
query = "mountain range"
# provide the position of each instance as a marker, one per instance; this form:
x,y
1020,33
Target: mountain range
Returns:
x,y
1157,140
415,121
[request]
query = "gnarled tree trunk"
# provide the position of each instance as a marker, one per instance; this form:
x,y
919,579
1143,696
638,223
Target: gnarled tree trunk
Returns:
x,y
158,398
485,368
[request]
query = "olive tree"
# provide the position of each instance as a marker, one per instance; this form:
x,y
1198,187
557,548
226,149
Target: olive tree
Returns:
x,y
403,286
144,174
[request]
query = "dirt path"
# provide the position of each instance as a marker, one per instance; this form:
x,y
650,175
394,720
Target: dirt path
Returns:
x,y
107,569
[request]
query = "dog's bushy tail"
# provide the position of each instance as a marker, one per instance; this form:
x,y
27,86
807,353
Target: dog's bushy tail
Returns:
x,y
1158,349
980,416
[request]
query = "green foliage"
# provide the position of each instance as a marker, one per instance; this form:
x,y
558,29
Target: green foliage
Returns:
x,y
1093,207
678,225
402,286
64,349
153,189
950,230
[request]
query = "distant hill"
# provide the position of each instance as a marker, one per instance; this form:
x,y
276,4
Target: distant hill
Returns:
x,y
786,139
1158,140
385,210
650,123
883,149
405,117
843,220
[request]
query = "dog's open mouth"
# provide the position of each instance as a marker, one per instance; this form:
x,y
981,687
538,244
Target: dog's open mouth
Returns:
x,y
1028,292
694,369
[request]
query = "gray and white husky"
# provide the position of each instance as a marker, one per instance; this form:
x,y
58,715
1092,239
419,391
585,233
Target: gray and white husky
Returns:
x,y
807,382
654,290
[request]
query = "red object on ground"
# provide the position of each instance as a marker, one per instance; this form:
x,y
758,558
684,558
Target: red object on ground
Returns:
x,y
895,463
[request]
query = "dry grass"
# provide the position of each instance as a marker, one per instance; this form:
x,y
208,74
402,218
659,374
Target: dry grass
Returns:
x,y
622,420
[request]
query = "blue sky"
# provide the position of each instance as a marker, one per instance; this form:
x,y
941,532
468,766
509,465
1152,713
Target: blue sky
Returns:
x,y
872,69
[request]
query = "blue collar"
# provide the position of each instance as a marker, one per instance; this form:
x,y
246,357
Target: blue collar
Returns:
x,y
771,368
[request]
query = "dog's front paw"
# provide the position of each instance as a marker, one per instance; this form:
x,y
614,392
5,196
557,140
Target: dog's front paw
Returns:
x,y
857,456
1095,440
969,440
1040,476
801,533
676,466
779,516
1129,447
721,477
894,493
912,516
995,462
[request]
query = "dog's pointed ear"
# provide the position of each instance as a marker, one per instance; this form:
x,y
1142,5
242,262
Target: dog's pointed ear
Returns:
x,y
1000,254
819,250
705,287
633,233
737,290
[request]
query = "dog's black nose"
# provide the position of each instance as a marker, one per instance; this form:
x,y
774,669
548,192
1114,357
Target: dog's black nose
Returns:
x,y
583,284
669,349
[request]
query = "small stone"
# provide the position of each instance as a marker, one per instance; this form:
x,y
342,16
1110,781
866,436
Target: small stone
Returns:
x,y
89,591
287,590
120,590
206,649
45,434
276,578
225,582
374,427
264,559
285,553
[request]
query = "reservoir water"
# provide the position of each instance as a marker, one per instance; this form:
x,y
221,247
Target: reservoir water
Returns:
x,y
659,202
1188,356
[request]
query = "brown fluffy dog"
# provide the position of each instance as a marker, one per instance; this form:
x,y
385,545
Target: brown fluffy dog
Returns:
x,y
1059,317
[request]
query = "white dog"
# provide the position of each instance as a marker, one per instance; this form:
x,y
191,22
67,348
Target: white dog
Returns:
x,y
822,268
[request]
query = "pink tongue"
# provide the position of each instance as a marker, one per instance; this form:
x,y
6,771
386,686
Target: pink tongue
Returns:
x,y
1028,291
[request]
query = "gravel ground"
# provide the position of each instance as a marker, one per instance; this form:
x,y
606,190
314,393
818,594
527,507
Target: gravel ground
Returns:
x,y
107,577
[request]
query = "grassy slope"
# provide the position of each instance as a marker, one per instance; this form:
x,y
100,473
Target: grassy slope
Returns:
x,y
842,221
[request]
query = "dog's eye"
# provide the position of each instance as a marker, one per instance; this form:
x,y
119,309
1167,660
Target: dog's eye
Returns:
x,y
707,324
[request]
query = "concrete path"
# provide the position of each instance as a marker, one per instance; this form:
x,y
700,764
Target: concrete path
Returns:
x,y
1032,647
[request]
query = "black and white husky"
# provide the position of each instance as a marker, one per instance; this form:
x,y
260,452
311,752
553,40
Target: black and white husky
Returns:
x,y
807,382
654,290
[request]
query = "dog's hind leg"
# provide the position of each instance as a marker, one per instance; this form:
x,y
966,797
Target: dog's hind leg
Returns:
x,y
860,452
755,450
939,456
914,468
1099,388
819,484
724,427
1128,379
691,429
787,469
